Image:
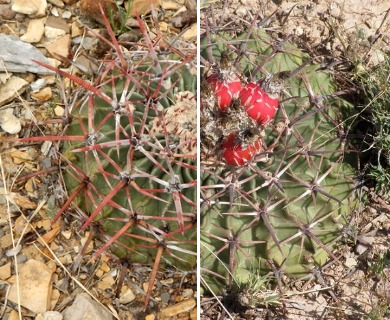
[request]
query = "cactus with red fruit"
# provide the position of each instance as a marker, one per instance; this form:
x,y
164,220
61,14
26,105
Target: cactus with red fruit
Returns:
x,y
226,86
257,103
236,151
280,207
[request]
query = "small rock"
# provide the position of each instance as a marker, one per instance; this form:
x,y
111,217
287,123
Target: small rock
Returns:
x,y
241,11
59,47
165,297
13,315
5,271
190,4
6,12
86,64
127,296
66,15
17,56
183,306
141,7
335,10
54,12
53,33
170,5
43,95
22,201
91,9
6,241
167,282
50,79
11,89
84,308
30,7
163,26
57,23
19,157
45,148
66,234
184,18
34,287
59,112
57,3
190,33
107,282
4,77
34,31
187,293
130,36
87,43
76,30
37,85
350,262
49,315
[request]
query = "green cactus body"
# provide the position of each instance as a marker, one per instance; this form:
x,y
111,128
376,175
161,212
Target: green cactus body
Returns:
x,y
288,205
138,161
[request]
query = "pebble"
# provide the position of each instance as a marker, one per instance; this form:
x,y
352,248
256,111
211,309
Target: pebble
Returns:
x,y
4,77
54,12
53,33
6,12
37,85
34,31
14,315
66,15
57,3
30,7
34,288
127,297
241,11
43,95
84,307
49,315
76,30
171,5
190,33
142,7
57,23
17,56
174,310
187,293
5,271
165,297
12,89
350,262
59,47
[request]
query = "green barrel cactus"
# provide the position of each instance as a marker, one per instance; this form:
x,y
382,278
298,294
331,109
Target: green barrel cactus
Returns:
x,y
129,154
283,209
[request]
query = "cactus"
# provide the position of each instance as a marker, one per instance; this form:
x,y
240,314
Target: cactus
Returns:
x,y
129,154
281,207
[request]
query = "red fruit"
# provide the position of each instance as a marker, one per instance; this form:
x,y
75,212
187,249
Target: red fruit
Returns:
x,y
235,154
257,103
225,90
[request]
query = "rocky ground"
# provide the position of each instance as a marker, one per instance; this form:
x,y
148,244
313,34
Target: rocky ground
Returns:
x,y
46,271
351,35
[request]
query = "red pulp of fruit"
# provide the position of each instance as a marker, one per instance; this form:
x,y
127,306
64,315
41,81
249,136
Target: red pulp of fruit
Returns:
x,y
235,155
225,91
257,103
